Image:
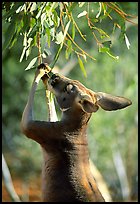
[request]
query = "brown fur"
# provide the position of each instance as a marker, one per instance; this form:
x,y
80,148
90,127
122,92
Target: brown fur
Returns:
x,y
66,169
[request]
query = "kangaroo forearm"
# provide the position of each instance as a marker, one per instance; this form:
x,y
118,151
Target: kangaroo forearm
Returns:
x,y
27,115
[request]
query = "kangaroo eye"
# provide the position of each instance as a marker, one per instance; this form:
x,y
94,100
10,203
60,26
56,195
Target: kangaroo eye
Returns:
x,y
69,88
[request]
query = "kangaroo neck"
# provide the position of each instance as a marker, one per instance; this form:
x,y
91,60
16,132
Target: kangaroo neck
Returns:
x,y
76,118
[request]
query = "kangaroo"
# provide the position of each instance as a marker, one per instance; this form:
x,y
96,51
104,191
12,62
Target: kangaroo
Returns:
x,y
66,169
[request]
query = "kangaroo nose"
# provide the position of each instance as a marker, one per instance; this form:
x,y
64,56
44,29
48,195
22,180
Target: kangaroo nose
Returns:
x,y
54,79
53,76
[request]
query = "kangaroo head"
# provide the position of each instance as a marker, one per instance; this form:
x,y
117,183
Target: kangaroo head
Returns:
x,y
71,94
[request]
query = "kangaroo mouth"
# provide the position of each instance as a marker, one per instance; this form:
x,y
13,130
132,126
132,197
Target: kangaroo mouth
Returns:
x,y
52,82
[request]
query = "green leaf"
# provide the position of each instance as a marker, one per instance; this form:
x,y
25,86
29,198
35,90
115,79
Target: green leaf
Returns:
x,y
83,13
33,61
81,4
69,49
43,42
43,18
56,18
12,11
70,8
114,57
59,38
44,55
33,7
100,9
127,41
23,53
48,36
9,34
61,45
21,8
47,51
28,52
66,29
65,33
103,49
107,51
13,40
82,66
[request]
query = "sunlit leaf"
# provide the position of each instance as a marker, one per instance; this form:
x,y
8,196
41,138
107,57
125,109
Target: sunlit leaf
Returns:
x,y
23,53
47,51
33,7
83,13
59,38
31,64
66,29
127,41
81,4
25,40
43,17
100,9
65,32
44,55
28,52
20,8
39,13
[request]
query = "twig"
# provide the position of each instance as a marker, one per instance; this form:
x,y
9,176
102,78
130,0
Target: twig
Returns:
x,y
74,41
120,12
39,48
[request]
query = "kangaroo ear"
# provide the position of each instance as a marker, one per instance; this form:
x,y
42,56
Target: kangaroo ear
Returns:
x,y
87,104
110,103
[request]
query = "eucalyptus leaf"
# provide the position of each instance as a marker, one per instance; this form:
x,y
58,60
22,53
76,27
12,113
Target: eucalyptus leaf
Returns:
x,y
31,64
81,4
103,49
83,13
127,41
43,42
69,49
23,53
12,11
20,8
48,36
59,38
65,32
82,66
33,7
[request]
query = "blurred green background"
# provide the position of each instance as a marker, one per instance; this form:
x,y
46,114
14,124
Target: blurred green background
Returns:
x,y
112,136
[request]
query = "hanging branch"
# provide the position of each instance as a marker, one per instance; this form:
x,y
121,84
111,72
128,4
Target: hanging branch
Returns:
x,y
52,116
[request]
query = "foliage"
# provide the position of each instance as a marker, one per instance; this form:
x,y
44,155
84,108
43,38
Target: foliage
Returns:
x,y
41,23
